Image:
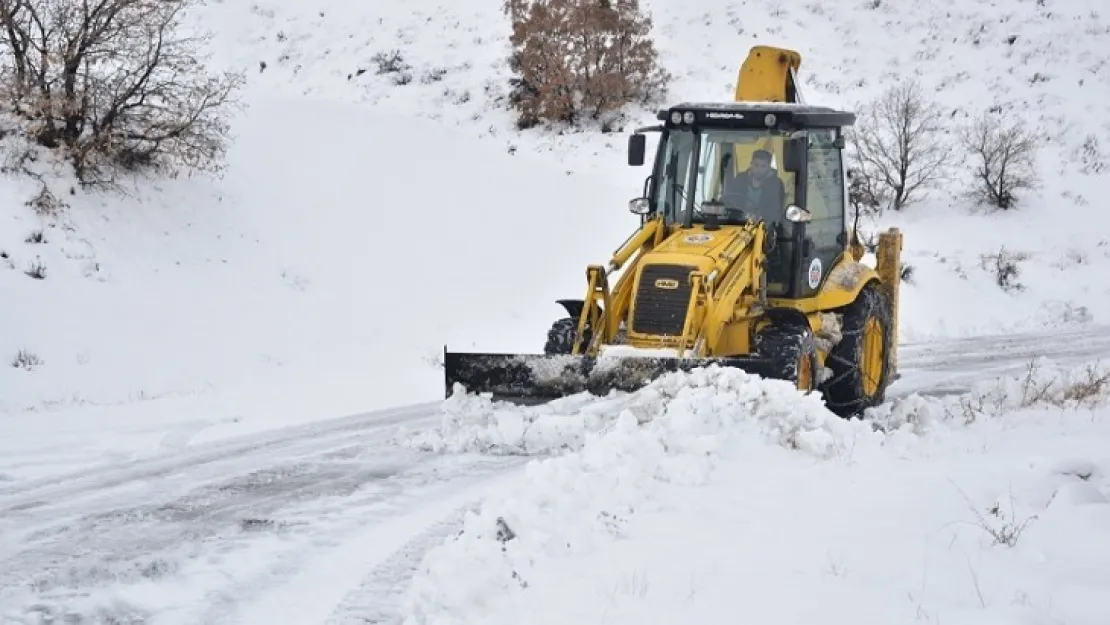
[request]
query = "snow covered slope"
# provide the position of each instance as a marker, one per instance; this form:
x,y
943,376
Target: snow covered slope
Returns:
x,y
272,290
1043,61
345,244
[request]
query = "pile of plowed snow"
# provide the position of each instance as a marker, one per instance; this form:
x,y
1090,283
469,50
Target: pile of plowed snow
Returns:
x,y
714,492
700,404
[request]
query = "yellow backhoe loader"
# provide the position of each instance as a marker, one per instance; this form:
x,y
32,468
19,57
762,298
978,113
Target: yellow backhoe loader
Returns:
x,y
743,258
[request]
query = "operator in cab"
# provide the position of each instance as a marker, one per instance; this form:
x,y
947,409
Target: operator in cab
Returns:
x,y
758,191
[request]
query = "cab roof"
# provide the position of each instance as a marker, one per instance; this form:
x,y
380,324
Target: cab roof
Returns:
x,y
788,115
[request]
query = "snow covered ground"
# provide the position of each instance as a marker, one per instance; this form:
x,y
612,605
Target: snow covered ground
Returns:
x,y
715,496
706,494
197,535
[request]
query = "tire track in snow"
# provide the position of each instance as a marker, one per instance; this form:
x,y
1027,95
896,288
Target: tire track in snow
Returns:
x,y
29,510
273,565
28,494
103,545
362,577
377,599
66,548
953,366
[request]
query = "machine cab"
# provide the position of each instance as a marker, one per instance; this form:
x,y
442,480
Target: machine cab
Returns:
x,y
731,164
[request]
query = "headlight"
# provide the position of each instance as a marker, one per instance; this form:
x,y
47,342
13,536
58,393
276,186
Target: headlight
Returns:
x,y
679,117
640,206
797,214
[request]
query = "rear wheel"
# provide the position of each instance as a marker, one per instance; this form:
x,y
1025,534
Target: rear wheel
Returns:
x,y
793,352
860,362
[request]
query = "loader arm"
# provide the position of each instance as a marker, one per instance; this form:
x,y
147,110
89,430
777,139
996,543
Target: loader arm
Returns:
x,y
734,295
605,308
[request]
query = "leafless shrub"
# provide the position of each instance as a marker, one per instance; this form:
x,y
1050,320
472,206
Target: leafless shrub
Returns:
x,y
1000,522
1033,389
1004,529
1003,153
1003,265
45,203
113,85
1090,389
1087,387
864,194
393,64
37,270
1091,156
906,273
899,145
580,59
36,236
870,242
433,75
863,201
26,360
970,408
390,62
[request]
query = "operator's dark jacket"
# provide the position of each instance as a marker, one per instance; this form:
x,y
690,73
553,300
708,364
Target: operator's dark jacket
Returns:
x,y
768,201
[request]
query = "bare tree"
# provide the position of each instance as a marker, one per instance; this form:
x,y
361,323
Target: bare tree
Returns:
x,y
114,84
580,59
865,195
1003,153
900,146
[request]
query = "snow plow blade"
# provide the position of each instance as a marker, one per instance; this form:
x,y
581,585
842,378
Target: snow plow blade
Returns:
x,y
538,378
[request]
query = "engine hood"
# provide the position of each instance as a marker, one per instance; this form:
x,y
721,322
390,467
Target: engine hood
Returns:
x,y
703,248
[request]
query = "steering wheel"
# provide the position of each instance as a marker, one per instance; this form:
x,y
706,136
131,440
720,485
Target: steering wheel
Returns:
x,y
735,214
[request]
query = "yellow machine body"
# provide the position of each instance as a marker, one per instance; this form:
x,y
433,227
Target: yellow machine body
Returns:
x,y
695,294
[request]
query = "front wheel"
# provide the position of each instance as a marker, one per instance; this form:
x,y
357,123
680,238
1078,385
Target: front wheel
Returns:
x,y
794,353
561,336
860,362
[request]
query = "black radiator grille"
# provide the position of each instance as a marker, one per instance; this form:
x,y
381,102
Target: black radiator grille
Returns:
x,y
661,310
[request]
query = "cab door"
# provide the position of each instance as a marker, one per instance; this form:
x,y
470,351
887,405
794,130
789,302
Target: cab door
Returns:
x,y
824,199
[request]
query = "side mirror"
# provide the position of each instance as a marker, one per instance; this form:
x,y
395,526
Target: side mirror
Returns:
x,y
795,154
639,206
798,215
636,147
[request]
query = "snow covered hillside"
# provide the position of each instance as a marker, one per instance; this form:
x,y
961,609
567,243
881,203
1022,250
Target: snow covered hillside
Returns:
x,y
275,294
317,279
1044,61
